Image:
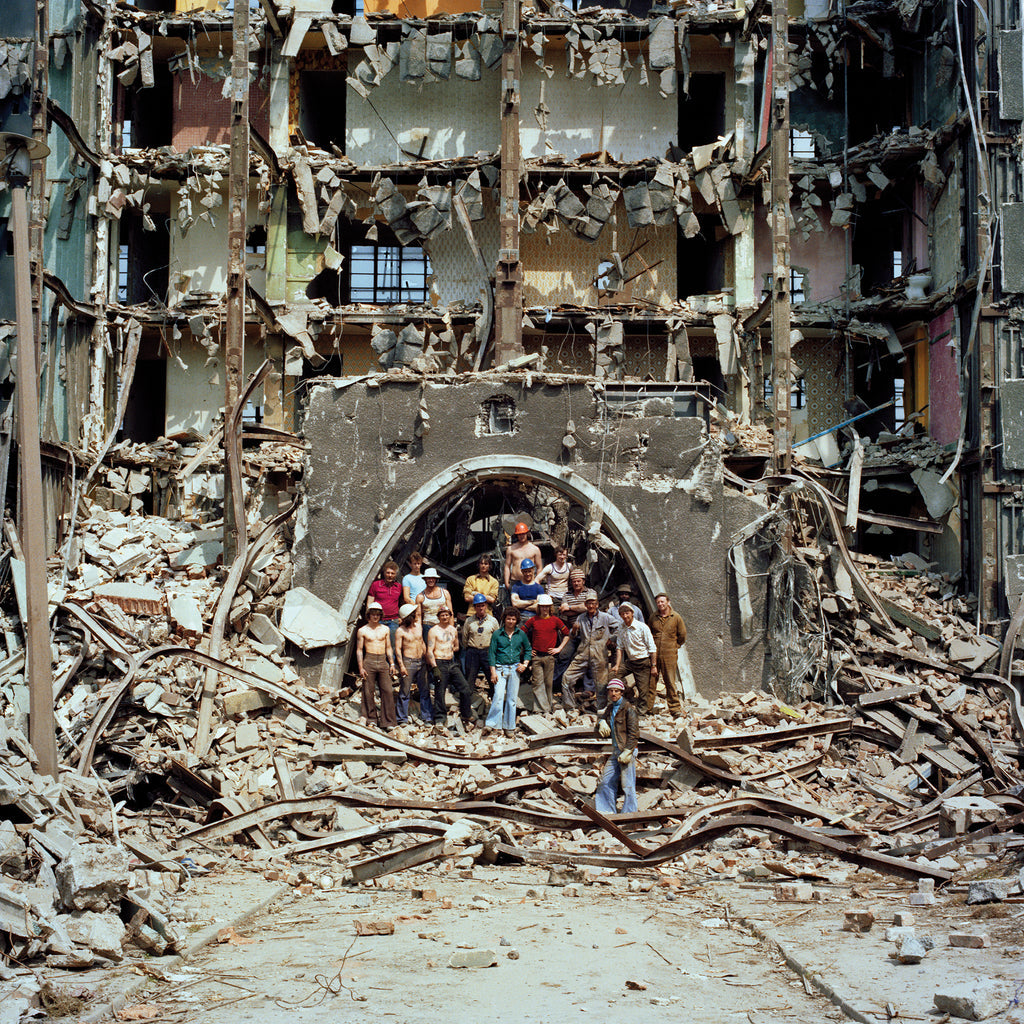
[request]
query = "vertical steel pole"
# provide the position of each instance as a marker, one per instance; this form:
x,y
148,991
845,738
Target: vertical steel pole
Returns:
x,y
38,666
238,195
781,310
508,299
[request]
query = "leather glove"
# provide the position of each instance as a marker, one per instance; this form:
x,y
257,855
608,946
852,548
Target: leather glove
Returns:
x,y
626,757
604,730
435,672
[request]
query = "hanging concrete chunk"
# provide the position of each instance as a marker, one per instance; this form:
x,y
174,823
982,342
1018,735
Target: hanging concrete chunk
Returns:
x,y
661,193
471,193
409,347
361,32
468,63
490,48
439,55
661,44
412,55
383,342
333,37
637,200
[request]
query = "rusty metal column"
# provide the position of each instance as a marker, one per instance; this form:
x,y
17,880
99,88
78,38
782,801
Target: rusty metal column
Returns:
x,y
781,311
38,666
508,298
234,348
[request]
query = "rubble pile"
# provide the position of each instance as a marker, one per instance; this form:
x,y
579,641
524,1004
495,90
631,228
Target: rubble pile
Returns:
x,y
899,754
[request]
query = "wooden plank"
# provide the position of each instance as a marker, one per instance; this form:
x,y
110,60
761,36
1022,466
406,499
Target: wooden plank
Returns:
x,y
870,700
398,860
338,755
853,495
907,618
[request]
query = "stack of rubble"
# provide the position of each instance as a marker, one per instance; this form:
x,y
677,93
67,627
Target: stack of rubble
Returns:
x,y
895,754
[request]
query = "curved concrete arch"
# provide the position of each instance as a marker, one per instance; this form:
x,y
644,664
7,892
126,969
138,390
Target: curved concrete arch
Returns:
x,y
477,470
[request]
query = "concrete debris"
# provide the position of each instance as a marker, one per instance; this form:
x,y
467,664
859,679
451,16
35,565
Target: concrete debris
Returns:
x,y
975,1000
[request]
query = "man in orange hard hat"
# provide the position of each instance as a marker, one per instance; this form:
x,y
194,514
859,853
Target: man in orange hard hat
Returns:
x,y
519,549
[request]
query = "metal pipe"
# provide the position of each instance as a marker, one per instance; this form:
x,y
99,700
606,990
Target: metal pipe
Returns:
x,y
845,423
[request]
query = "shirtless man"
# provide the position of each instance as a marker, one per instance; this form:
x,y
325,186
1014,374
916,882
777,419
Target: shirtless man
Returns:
x,y
376,666
409,651
520,548
442,645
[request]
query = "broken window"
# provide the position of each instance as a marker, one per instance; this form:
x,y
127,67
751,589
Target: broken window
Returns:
x,y
797,393
797,286
498,415
388,274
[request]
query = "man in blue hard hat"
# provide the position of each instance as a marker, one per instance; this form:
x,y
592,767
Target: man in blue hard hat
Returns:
x,y
526,591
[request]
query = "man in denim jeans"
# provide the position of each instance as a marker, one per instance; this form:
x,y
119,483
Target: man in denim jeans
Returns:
x,y
619,722
509,654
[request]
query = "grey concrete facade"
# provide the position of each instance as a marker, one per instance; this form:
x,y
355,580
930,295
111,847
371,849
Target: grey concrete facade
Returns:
x,y
655,479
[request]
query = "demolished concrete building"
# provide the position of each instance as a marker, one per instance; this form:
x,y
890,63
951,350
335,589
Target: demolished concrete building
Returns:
x,y
579,199
723,297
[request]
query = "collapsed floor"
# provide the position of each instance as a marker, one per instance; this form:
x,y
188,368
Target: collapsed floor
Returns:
x,y
888,739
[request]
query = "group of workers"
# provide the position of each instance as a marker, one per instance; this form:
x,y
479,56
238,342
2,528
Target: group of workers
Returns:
x,y
540,617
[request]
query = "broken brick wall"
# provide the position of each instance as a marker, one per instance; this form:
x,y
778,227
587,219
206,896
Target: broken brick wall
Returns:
x,y
662,478
202,116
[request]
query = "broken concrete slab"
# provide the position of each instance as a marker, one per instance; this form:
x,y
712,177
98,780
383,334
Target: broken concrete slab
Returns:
x,y
92,877
973,1000
103,933
310,622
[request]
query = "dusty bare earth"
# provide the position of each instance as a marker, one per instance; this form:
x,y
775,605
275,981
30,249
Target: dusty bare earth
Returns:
x,y
560,951
619,948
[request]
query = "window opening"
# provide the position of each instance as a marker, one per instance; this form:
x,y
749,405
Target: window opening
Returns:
x,y
797,393
900,407
389,274
801,144
122,272
897,263
499,415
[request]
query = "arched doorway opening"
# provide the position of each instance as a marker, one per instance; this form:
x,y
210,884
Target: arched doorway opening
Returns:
x,y
468,508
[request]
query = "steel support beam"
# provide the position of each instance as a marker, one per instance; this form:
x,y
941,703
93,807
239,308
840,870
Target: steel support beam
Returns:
x,y
234,352
508,298
781,311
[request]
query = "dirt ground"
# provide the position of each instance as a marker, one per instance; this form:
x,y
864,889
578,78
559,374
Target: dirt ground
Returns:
x,y
608,951
622,948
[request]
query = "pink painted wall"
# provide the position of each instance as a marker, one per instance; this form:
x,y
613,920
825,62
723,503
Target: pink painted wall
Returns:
x,y
823,255
943,381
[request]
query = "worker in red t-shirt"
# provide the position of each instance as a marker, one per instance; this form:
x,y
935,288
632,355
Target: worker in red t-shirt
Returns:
x,y
548,635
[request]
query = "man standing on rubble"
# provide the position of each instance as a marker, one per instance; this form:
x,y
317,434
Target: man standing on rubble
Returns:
x,y
526,591
413,583
376,667
387,592
569,610
482,583
594,630
442,645
477,631
409,652
669,632
518,550
547,635
618,722
509,655
635,652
